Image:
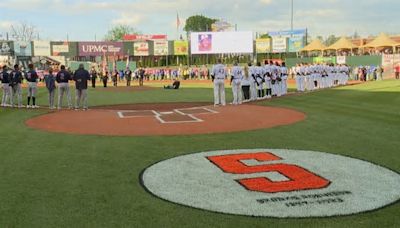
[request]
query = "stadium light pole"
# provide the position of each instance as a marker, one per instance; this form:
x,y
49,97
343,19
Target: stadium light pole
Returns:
x,y
291,19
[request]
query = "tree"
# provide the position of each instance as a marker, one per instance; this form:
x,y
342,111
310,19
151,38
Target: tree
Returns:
x,y
23,31
265,36
198,23
331,40
117,32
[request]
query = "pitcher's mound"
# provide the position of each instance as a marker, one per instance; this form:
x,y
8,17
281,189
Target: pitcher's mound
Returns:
x,y
165,119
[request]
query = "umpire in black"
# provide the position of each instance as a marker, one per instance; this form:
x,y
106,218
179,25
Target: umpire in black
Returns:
x,y
81,78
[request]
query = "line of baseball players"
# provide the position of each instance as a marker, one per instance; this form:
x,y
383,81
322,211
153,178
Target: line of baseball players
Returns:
x,y
250,83
12,89
319,76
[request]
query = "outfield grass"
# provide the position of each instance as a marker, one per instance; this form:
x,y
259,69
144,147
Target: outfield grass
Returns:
x,y
63,180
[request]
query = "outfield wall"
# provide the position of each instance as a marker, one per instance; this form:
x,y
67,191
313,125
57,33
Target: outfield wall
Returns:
x,y
367,60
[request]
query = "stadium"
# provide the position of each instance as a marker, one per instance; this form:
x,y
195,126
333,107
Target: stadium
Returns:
x,y
315,143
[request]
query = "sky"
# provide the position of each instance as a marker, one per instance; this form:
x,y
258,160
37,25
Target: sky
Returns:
x,y
89,20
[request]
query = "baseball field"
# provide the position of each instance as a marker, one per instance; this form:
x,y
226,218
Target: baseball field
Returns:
x,y
66,179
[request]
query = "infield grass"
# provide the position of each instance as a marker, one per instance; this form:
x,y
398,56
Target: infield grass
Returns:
x,y
64,180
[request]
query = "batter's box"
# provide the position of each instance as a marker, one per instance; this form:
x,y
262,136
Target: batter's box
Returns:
x,y
136,113
195,110
177,118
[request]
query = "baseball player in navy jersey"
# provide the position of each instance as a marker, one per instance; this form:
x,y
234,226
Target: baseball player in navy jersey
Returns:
x,y
5,81
236,78
15,83
63,77
31,77
218,75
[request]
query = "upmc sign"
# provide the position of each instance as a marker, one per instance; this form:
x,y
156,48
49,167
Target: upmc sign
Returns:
x,y
98,48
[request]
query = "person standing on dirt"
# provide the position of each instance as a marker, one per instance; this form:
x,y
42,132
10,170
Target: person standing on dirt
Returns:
x,y
81,77
63,77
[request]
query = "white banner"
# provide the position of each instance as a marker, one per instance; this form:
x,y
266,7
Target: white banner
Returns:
x,y
221,42
160,47
279,44
41,48
341,59
62,48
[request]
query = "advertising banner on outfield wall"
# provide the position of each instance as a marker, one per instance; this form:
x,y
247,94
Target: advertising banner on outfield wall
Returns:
x,y
181,47
160,47
341,59
221,42
58,49
389,62
41,48
296,44
289,33
279,44
6,47
141,48
263,45
23,48
136,37
324,60
98,48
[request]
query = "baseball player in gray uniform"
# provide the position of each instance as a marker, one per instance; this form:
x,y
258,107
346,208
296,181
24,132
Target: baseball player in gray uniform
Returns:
x,y
15,83
63,77
5,81
218,76
31,77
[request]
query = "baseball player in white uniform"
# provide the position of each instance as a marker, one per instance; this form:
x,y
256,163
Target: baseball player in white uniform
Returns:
x,y
284,77
253,88
236,78
218,75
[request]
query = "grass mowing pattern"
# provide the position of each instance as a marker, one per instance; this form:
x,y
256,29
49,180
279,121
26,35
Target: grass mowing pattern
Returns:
x,y
61,180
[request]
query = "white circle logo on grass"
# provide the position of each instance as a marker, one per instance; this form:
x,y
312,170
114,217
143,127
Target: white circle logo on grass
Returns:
x,y
273,183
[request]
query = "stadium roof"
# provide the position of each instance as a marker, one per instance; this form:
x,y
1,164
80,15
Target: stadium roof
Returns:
x,y
382,40
315,45
342,43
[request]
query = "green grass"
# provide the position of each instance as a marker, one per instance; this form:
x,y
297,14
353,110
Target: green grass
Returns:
x,y
62,180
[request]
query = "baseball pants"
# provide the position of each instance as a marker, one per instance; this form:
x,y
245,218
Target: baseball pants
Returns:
x,y
64,88
81,95
219,92
237,92
5,99
16,90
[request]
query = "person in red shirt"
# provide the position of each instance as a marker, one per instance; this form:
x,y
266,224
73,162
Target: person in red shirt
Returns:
x,y
397,71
